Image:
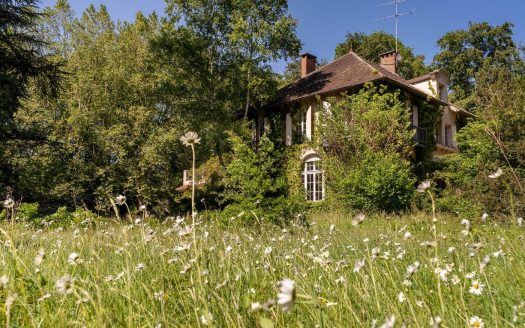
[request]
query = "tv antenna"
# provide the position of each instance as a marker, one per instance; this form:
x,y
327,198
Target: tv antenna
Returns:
x,y
397,13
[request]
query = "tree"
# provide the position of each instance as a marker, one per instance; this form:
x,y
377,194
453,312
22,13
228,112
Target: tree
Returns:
x,y
242,36
465,52
21,58
370,46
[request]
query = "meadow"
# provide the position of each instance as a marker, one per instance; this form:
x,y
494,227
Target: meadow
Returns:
x,y
344,270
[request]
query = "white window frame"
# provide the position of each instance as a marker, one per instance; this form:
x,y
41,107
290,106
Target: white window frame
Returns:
x,y
313,179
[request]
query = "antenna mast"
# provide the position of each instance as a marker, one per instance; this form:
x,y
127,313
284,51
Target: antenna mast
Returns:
x,y
397,14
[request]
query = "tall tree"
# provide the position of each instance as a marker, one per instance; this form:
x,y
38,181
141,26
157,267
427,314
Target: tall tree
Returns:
x,y
244,36
465,52
370,46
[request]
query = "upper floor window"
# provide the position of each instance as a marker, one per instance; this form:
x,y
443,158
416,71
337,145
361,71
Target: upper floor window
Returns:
x,y
448,136
442,92
301,127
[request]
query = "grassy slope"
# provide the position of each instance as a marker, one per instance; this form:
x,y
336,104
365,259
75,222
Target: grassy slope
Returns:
x,y
319,261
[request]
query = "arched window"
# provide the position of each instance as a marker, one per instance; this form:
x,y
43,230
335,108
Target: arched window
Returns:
x,y
313,179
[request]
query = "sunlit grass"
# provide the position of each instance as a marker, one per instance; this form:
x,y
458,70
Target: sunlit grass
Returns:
x,y
123,277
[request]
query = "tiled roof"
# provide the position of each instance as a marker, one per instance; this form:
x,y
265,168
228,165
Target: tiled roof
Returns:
x,y
341,74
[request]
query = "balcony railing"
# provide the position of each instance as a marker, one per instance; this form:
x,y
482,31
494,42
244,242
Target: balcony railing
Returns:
x,y
420,136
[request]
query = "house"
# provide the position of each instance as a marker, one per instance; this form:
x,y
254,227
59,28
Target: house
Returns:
x,y
299,104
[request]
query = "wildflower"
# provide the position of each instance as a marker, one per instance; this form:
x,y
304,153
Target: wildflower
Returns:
x,y
206,319
496,174
375,252
436,321
140,267
412,268
39,257
9,203
470,275
359,264
401,297
138,221
142,208
64,285
484,263
451,249
228,249
340,280
72,259
256,306
407,235
476,322
45,296
389,322
190,138
423,186
476,288
286,295
520,221
120,200
455,280
484,217
4,282
358,219
466,223
498,253
332,228
159,296
268,250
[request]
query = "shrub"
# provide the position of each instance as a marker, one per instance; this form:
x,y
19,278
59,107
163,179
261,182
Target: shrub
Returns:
x,y
378,182
254,185
27,211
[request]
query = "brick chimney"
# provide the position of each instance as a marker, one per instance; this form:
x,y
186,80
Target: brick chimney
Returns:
x,y
308,63
388,60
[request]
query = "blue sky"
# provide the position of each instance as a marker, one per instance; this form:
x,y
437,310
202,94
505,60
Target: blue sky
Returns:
x,y
322,24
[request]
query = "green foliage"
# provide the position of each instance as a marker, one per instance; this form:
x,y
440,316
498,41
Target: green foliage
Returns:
x,y
370,46
369,144
377,182
27,211
465,52
254,187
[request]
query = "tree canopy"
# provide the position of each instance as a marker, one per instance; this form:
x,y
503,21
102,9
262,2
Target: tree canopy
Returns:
x,y
370,46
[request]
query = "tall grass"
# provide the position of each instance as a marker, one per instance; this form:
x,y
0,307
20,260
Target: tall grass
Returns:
x,y
125,278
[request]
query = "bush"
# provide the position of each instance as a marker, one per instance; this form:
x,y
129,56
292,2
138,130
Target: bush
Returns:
x,y
27,211
254,185
378,182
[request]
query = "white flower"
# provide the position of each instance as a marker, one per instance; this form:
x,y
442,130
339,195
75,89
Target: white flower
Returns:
x,y
206,319
412,268
423,186
228,249
268,250
496,174
142,208
190,138
64,285
45,296
39,257
476,322
332,228
359,264
401,297
340,280
476,288
407,235
4,282
358,219
455,280
451,249
470,275
484,217
120,200
286,295
256,306
9,203
73,258
159,296
140,266
436,321
389,322
520,221
375,252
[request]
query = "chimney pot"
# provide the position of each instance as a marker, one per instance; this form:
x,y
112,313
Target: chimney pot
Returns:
x,y
388,61
308,64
